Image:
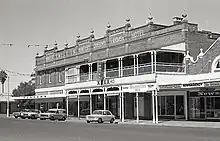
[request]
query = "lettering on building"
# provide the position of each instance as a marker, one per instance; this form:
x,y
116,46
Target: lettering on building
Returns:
x,y
84,48
191,85
71,52
211,84
175,86
105,81
136,34
116,39
211,93
99,44
49,57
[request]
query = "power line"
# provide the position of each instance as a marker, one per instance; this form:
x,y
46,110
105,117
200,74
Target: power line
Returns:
x,y
27,45
17,73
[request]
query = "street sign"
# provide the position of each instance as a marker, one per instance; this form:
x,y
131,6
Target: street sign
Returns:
x,y
135,88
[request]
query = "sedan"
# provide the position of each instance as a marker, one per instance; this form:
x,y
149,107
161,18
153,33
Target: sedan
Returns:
x,y
100,116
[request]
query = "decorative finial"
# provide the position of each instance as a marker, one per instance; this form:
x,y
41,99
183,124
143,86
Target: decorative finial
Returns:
x,y
66,44
128,20
78,36
46,47
92,31
150,19
184,15
108,25
55,43
201,53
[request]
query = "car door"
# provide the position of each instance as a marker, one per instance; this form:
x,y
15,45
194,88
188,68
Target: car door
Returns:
x,y
105,116
109,115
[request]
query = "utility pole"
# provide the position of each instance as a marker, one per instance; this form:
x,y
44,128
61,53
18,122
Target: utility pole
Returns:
x,y
8,103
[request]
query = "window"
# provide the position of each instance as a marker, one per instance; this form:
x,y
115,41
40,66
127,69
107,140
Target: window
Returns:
x,y
108,113
40,79
49,77
166,105
59,77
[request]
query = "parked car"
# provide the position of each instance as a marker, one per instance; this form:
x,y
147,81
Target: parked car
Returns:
x,y
18,114
100,116
30,114
54,114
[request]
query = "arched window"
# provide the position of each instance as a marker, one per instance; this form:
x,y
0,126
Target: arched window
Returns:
x,y
216,64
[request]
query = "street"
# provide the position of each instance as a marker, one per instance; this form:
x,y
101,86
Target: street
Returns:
x,y
35,130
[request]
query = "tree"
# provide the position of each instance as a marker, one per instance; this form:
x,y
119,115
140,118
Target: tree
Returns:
x,y
3,77
25,89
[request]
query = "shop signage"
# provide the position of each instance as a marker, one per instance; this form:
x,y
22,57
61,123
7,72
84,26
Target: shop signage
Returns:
x,y
105,81
192,85
113,94
212,84
135,88
210,93
175,86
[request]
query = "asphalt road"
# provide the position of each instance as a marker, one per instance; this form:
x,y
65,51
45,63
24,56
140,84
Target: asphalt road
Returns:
x,y
36,130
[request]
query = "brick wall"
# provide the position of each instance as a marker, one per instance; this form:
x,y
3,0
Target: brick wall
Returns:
x,y
204,63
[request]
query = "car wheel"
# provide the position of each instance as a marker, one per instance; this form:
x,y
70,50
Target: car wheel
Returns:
x,y
63,119
33,117
112,120
100,120
41,119
52,118
16,116
88,121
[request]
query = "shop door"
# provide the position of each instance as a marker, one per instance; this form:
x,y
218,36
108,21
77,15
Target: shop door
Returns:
x,y
197,108
112,105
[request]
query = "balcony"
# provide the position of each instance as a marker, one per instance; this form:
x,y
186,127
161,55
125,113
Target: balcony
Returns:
x,y
128,71
144,68
84,77
170,67
94,76
112,73
72,78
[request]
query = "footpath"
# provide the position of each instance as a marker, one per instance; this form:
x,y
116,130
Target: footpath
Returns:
x,y
195,124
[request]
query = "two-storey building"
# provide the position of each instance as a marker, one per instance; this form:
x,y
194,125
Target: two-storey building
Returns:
x,y
148,72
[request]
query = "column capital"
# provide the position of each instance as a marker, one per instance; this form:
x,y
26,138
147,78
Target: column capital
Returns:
x,y
152,52
119,58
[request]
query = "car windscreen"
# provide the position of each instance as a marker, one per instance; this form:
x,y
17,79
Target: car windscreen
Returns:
x,y
25,110
97,112
51,111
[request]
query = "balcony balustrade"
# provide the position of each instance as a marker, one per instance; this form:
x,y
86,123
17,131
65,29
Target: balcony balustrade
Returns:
x,y
94,76
112,73
129,71
170,67
72,78
84,77
144,68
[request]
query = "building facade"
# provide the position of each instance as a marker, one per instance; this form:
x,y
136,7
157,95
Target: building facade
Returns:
x,y
149,72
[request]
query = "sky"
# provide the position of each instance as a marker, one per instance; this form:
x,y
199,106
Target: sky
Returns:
x,y
42,22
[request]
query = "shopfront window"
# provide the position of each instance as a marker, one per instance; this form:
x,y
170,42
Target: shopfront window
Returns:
x,y
166,105
84,105
213,107
205,105
179,105
98,102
